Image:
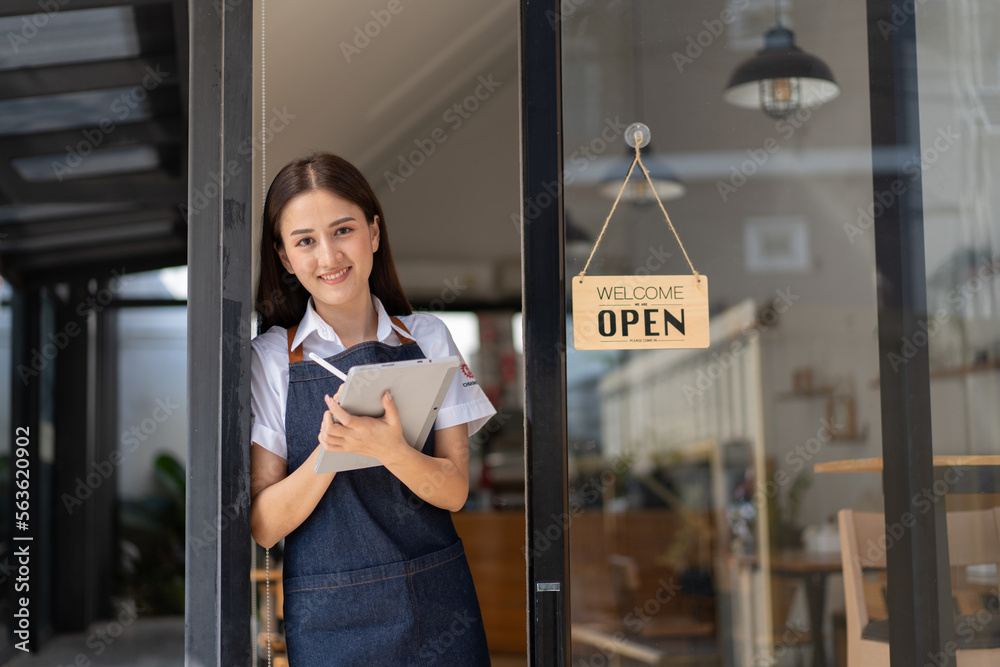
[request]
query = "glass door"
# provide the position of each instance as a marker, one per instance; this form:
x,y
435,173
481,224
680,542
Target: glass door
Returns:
x,y
702,524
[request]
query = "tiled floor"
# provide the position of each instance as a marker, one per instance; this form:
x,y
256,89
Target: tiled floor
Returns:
x,y
147,642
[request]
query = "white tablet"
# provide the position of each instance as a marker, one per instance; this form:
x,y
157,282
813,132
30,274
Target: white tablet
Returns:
x,y
418,388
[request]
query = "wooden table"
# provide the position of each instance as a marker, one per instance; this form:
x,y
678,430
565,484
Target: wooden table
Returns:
x,y
813,569
875,464
973,479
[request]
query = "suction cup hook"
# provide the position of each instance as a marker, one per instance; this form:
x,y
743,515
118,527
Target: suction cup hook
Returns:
x,y
637,133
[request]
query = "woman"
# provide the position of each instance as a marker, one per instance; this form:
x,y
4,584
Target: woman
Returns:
x,y
373,570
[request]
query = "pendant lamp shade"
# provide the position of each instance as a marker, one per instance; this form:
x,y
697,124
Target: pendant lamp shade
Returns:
x,y
638,191
781,78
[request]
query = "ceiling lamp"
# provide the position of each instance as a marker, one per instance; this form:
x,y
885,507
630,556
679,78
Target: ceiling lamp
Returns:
x,y
638,190
781,77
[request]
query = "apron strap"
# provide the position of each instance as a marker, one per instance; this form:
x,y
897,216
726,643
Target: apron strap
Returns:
x,y
400,326
296,354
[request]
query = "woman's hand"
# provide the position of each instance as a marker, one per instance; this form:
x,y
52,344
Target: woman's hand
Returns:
x,y
378,437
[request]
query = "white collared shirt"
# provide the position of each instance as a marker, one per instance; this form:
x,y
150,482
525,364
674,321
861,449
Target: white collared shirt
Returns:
x,y
465,402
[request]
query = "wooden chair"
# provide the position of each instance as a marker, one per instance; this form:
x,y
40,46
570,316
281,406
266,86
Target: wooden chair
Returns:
x,y
973,539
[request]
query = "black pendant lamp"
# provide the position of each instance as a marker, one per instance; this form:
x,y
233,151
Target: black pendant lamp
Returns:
x,y
781,77
638,190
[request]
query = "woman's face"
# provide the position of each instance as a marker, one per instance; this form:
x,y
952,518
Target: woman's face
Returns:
x,y
328,245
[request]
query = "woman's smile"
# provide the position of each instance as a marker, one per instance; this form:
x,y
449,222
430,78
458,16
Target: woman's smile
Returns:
x,y
335,277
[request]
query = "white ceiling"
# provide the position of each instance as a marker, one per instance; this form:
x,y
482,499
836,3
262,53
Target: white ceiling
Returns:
x,y
449,220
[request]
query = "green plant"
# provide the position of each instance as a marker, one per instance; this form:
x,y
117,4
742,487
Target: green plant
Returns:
x,y
789,532
152,557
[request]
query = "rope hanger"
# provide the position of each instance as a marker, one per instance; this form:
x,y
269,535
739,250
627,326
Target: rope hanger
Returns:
x,y
639,135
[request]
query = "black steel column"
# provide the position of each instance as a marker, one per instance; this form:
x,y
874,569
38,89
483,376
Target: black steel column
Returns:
x,y
219,309
917,558
76,518
104,370
544,334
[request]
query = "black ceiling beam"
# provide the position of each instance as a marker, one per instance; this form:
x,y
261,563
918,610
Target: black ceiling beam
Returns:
x,y
151,132
28,7
81,273
17,230
151,71
152,188
50,267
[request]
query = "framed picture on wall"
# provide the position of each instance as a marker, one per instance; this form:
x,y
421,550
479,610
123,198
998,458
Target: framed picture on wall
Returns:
x,y
776,245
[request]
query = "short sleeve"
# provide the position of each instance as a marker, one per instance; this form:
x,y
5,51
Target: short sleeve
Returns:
x,y
267,419
465,402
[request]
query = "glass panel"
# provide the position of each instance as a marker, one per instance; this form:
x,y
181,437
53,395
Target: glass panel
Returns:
x,y
49,38
958,55
700,527
73,110
100,162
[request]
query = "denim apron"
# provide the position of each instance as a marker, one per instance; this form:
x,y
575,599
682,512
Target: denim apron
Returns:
x,y
375,575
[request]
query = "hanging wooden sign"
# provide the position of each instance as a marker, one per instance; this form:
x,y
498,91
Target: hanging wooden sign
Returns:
x,y
640,312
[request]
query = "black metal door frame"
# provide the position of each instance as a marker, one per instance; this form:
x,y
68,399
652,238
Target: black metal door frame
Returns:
x,y
918,585
218,542
544,313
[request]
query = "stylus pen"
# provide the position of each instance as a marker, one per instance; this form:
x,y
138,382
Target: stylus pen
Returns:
x,y
328,366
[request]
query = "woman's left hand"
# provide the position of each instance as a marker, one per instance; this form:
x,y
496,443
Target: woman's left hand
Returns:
x,y
378,437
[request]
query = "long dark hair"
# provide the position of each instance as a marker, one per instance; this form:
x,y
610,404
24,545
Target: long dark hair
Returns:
x,y
281,299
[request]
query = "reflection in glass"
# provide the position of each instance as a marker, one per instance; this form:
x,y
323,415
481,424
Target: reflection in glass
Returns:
x,y
700,531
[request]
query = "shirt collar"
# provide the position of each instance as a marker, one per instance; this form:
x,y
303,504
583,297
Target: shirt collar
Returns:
x,y
311,323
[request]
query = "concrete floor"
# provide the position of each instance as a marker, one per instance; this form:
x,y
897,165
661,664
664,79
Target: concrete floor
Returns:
x,y
146,642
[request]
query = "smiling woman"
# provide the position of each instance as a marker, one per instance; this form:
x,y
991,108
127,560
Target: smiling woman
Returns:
x,y
372,563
